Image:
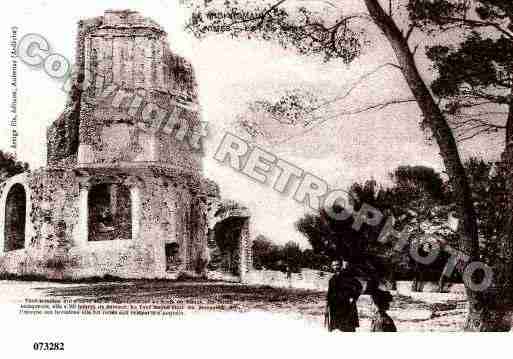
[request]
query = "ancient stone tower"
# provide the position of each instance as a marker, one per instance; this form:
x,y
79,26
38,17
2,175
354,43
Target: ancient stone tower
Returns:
x,y
123,193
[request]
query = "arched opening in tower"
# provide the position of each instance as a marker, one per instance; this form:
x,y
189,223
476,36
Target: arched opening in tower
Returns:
x,y
110,216
15,213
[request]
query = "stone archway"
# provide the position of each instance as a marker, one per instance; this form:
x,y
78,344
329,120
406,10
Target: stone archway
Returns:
x,y
15,218
228,239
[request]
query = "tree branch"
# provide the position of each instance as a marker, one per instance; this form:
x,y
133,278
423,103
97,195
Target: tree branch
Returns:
x,y
479,23
260,17
378,106
354,86
410,31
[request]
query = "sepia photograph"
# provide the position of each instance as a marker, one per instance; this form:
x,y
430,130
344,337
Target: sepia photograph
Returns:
x,y
257,177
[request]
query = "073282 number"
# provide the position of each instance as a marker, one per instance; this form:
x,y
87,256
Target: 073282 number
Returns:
x,y
43,346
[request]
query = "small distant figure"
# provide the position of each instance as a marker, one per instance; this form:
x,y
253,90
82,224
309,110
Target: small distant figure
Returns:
x,y
343,292
382,321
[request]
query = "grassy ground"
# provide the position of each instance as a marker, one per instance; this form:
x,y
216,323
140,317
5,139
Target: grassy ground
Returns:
x,y
418,311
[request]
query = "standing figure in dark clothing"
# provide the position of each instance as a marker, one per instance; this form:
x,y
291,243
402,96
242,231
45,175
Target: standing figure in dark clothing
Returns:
x,y
382,321
343,292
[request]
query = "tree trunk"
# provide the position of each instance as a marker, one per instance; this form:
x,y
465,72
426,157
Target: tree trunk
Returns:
x,y
504,266
496,314
507,248
434,118
488,320
441,283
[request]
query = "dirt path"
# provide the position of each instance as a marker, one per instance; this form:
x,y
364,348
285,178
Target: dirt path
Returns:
x,y
418,311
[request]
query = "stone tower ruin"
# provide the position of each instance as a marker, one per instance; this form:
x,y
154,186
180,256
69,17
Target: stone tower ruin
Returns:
x,y
123,192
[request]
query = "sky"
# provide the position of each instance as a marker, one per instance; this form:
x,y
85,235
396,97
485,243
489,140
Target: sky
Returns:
x,y
231,73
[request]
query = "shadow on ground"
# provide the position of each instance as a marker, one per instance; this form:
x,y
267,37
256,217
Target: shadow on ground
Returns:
x,y
164,290
247,297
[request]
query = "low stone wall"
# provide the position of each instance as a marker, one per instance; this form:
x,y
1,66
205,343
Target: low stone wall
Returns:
x,y
307,279
119,258
222,276
404,287
316,280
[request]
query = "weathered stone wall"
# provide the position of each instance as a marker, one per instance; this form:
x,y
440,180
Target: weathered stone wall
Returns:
x,y
172,210
123,259
54,214
63,134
